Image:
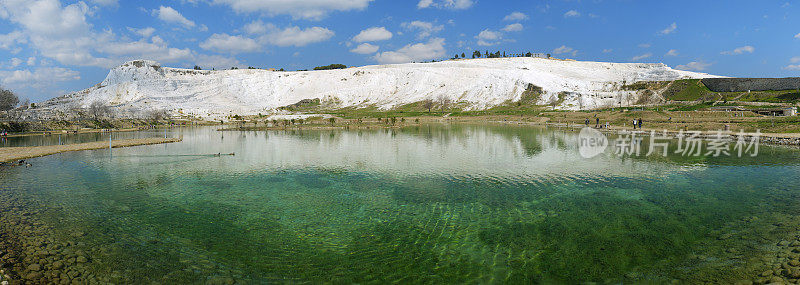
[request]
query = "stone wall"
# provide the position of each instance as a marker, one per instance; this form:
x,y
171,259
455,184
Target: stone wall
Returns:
x,y
751,84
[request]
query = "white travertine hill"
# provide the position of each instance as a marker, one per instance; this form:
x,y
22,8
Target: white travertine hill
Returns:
x,y
142,85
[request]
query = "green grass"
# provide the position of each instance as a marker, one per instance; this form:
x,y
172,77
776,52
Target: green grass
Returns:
x,y
688,90
694,90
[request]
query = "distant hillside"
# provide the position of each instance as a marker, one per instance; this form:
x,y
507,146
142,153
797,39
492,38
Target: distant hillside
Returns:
x,y
696,90
138,86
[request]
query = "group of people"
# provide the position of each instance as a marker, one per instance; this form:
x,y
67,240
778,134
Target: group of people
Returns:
x,y
637,122
597,124
3,133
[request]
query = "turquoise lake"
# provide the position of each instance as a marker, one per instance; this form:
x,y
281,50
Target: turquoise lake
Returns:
x,y
422,204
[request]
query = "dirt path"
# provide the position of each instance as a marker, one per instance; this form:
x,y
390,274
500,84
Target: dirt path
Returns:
x,y
17,153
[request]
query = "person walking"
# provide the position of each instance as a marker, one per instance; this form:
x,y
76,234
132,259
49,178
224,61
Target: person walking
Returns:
x,y
597,124
640,123
634,124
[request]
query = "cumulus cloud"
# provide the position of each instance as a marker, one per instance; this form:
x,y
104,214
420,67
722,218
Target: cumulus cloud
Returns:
x,y
256,27
489,38
373,34
565,50
642,56
445,4
58,32
671,29
224,43
61,33
170,15
794,65
740,50
797,36
270,34
513,28
106,2
672,52
572,14
295,36
365,48
694,65
38,78
299,9
433,49
608,50
516,16
424,29
10,40
156,49
15,62
144,32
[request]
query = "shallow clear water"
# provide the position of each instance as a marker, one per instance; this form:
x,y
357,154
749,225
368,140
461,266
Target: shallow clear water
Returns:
x,y
429,204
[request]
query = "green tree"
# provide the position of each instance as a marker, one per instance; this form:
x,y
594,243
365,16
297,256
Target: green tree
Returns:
x,y
331,67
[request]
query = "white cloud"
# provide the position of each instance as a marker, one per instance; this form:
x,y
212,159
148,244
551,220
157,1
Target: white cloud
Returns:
x,y
433,49
516,16
295,36
56,31
365,48
155,49
645,45
144,32
289,36
608,50
672,52
31,61
170,15
38,78
256,27
424,29
565,50
794,65
643,56
671,29
10,40
224,43
216,61
445,4
15,62
740,50
106,2
695,65
299,9
572,14
797,36
513,28
373,34
488,38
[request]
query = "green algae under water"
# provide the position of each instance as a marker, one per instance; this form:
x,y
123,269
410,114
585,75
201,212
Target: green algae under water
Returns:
x,y
428,204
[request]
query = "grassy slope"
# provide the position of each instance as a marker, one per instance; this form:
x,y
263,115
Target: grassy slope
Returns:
x,y
694,90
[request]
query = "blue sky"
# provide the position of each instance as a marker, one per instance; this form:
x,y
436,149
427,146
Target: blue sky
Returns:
x,y
52,47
